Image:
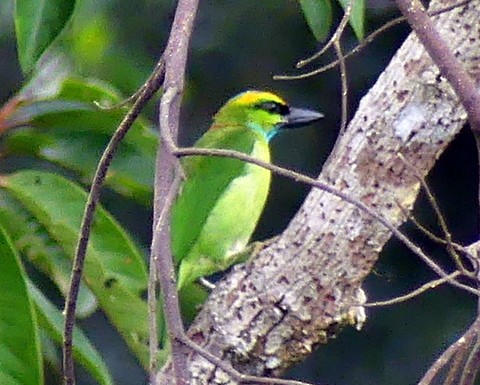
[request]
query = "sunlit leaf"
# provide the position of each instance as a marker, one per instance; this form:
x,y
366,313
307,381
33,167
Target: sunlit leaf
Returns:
x,y
357,17
37,24
73,133
32,241
318,14
89,91
51,320
20,360
114,268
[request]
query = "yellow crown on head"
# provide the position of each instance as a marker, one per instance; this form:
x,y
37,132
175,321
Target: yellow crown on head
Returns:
x,y
251,97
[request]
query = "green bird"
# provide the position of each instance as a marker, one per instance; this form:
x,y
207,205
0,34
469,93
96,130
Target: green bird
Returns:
x,y
220,202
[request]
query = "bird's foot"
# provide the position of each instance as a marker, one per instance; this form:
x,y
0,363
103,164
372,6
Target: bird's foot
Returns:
x,y
206,284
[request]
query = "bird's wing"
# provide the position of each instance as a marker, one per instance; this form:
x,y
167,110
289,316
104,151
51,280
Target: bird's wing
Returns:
x,y
207,180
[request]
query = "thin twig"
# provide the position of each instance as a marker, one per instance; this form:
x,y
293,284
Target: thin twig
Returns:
x,y
93,197
344,89
457,348
430,235
334,39
422,289
470,369
344,83
472,363
430,196
136,95
344,93
194,151
165,135
457,362
440,218
459,248
233,373
369,39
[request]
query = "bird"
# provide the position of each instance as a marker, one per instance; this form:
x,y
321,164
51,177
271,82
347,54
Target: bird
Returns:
x,y
221,199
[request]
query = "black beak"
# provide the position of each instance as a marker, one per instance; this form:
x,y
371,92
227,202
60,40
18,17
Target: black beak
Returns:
x,y
298,117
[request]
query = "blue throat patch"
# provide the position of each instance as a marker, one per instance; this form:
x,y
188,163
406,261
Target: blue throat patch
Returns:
x,y
267,135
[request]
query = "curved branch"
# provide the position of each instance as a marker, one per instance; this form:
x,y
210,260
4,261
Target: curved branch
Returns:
x,y
148,90
193,151
166,184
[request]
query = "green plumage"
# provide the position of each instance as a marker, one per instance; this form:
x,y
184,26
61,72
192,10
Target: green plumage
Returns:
x,y
221,200
220,203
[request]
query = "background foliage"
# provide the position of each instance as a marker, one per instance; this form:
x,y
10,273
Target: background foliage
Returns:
x,y
236,46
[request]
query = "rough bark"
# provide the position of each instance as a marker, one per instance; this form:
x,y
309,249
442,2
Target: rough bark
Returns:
x,y
272,311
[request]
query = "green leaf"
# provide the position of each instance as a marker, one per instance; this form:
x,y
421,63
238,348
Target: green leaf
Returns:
x,y
50,351
318,14
114,268
73,133
130,174
20,359
89,91
37,24
51,320
33,241
357,17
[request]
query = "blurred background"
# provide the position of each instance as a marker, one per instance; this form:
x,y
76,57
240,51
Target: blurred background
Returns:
x,y
240,45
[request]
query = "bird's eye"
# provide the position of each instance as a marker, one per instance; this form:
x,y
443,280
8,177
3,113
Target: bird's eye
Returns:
x,y
274,108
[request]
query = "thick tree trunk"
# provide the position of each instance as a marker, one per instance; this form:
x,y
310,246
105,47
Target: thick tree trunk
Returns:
x,y
270,312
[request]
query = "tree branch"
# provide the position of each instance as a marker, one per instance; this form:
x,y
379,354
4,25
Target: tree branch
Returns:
x,y
166,186
271,311
363,44
194,151
148,90
462,357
